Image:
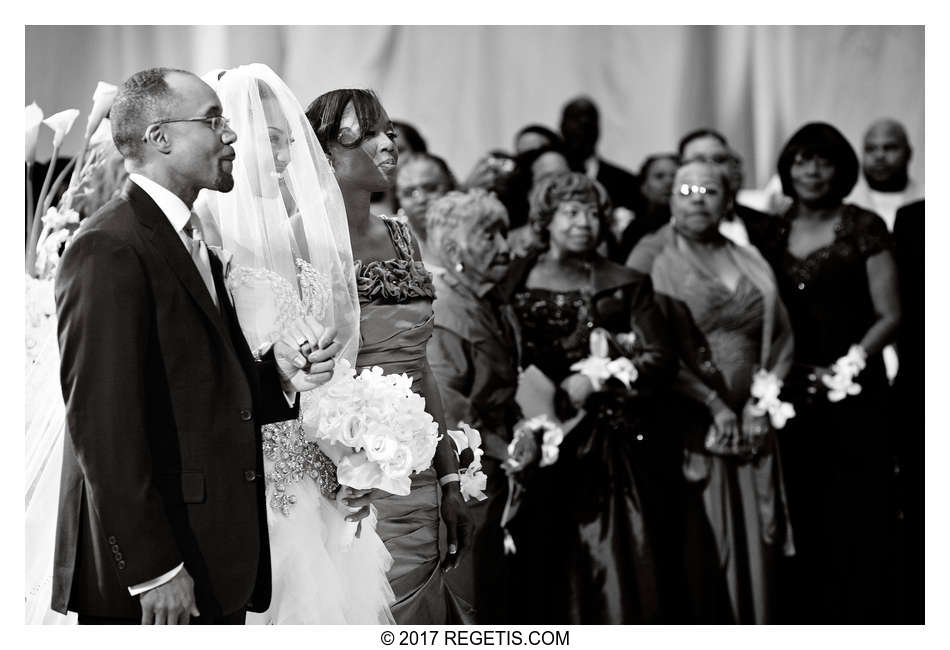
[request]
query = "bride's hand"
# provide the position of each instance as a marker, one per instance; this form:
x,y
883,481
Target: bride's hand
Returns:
x,y
311,363
358,502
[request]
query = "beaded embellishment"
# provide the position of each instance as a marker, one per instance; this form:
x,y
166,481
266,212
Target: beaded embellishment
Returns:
x,y
294,459
293,456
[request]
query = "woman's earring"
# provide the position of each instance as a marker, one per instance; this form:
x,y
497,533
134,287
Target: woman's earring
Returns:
x,y
459,267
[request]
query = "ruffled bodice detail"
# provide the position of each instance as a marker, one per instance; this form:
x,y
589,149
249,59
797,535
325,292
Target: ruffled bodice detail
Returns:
x,y
394,280
395,307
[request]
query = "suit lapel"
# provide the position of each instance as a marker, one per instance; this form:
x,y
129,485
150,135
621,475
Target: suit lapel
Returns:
x,y
166,241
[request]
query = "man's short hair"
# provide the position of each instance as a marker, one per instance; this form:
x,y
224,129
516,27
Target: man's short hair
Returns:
x,y
142,100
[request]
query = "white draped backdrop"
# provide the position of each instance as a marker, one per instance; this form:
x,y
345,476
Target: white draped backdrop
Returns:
x,y
469,88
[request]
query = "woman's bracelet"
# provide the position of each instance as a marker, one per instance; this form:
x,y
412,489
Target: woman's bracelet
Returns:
x,y
710,398
449,478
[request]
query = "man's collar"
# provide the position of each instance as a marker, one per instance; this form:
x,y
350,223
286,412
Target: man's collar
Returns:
x,y
173,207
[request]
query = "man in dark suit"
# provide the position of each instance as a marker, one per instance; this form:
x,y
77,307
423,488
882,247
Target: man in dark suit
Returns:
x,y
162,514
580,128
745,225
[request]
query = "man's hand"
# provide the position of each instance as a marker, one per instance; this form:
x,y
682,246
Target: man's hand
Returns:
x,y
172,603
726,427
458,525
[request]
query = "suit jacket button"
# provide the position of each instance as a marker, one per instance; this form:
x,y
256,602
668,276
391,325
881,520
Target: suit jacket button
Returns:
x,y
111,540
250,475
118,557
245,415
115,548
121,564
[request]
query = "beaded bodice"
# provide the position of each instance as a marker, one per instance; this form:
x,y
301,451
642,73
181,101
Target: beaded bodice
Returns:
x,y
267,303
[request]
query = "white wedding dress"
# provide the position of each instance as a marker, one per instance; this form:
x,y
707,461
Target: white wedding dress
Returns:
x,y
320,573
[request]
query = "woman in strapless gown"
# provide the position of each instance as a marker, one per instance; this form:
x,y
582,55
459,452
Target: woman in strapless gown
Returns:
x,y
395,296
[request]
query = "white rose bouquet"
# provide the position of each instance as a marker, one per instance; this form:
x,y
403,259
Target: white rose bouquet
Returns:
x,y
381,424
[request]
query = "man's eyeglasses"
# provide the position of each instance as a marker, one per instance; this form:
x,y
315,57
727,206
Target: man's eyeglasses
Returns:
x,y
216,122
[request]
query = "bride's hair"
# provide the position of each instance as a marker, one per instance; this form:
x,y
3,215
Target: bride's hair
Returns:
x,y
326,111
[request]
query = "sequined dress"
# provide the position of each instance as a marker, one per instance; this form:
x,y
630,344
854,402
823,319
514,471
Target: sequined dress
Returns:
x,y
586,546
320,575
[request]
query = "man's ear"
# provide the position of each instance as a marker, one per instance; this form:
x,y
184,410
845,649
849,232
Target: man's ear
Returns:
x,y
156,138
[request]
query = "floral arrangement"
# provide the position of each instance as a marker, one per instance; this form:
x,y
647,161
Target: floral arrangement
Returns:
x,y
841,382
380,419
766,388
537,440
599,367
46,225
468,448
536,443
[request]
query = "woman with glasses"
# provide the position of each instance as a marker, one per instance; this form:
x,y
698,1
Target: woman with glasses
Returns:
x,y
283,232
396,320
837,275
722,305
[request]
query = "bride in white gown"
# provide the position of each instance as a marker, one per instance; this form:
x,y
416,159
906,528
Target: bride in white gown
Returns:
x,y
284,236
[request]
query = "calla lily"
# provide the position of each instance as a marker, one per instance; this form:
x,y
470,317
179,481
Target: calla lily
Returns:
x,y
472,485
61,123
594,368
627,341
598,343
781,413
458,437
624,370
103,132
34,117
101,103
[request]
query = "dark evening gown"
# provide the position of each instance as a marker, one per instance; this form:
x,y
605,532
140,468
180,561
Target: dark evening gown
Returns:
x,y
587,553
838,467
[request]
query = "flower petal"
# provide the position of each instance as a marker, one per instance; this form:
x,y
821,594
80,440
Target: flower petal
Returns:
x,y
61,123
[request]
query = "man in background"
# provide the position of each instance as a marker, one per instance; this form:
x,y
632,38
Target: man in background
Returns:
x,y
885,185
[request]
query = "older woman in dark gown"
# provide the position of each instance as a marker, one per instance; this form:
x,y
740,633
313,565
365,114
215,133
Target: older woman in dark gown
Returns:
x,y
586,533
